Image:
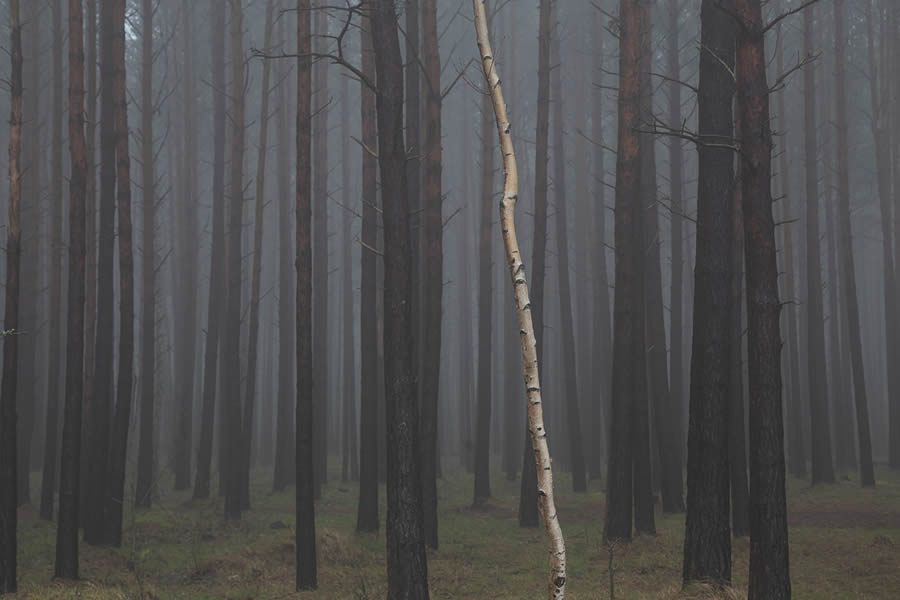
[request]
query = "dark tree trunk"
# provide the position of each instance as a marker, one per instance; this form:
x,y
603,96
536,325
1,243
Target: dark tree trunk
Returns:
x,y
820,426
797,453
406,563
284,469
737,436
367,512
146,452
101,404
215,306
769,572
259,217
672,412
186,314
231,339
11,323
528,500
433,269
48,478
485,280
707,543
305,537
70,462
321,342
573,416
600,336
848,270
626,313
115,496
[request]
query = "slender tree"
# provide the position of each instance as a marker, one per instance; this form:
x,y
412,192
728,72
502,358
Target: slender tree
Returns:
x,y
848,269
11,321
305,537
769,572
115,497
367,512
48,477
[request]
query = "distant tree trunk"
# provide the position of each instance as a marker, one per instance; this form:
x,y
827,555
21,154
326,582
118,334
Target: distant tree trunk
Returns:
x,y
769,573
367,511
797,453
848,269
349,431
115,496
48,478
90,235
146,452
186,315
215,306
879,124
528,499
70,462
406,562
485,280
466,379
433,269
8,461
413,118
820,427
625,311
231,340
321,342
305,537
101,404
737,437
707,543
600,336
259,218
579,475
673,501
543,469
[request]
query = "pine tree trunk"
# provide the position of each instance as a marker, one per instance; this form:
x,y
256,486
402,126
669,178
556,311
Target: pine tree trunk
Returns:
x,y
215,306
769,572
406,563
305,536
848,269
8,462
115,497
146,451
367,511
48,478
707,544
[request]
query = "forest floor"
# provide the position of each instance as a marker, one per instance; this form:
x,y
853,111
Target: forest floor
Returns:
x,y
845,543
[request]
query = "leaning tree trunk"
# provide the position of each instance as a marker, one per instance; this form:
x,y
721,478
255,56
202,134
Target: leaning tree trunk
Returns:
x,y
406,561
367,510
848,269
10,342
48,478
543,470
528,500
305,536
433,269
215,306
769,572
144,485
118,448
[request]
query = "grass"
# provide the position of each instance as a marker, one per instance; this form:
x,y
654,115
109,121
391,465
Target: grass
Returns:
x,y
845,543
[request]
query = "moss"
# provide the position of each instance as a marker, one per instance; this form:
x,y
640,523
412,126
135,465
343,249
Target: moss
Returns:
x,y
845,543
